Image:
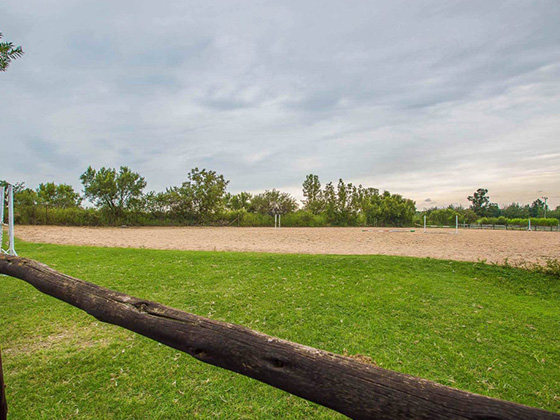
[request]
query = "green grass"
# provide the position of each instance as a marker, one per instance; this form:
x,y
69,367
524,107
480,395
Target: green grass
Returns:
x,y
486,329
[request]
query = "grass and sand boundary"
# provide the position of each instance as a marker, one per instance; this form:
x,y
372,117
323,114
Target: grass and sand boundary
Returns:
x,y
469,245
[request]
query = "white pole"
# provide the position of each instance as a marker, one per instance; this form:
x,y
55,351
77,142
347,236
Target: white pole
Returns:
x,y
424,223
279,221
456,224
11,249
1,217
275,215
529,225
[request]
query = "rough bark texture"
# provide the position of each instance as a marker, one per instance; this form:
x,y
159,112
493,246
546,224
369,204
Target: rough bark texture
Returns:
x,y
357,390
3,403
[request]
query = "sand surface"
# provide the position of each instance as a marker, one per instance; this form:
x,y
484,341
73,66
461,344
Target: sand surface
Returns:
x,y
468,245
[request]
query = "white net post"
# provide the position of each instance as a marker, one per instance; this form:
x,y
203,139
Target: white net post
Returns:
x,y
424,223
2,192
529,228
11,248
279,220
456,224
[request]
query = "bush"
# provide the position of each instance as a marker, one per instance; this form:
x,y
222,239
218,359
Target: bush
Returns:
x,y
445,217
534,222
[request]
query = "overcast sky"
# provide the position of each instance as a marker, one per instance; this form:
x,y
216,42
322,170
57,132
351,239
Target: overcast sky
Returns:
x,y
430,99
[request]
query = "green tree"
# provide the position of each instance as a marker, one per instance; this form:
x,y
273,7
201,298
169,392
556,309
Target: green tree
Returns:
x,y
272,201
515,211
537,208
58,196
343,204
479,201
46,196
313,202
66,197
241,201
390,210
239,204
18,186
115,192
8,53
200,198
329,196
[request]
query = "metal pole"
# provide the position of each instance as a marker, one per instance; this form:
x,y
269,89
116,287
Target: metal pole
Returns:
x,y
11,249
1,217
456,224
424,223
529,225
275,217
279,221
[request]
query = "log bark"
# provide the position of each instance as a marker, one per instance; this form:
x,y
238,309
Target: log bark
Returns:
x,y
3,403
358,390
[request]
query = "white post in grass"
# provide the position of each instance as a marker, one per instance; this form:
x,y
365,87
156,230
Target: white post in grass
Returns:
x,y
1,217
424,223
456,224
11,249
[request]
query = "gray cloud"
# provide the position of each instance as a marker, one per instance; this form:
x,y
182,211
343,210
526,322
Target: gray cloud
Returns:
x,y
423,98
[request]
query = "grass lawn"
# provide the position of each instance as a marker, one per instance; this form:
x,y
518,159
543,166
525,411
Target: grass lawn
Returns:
x,y
486,329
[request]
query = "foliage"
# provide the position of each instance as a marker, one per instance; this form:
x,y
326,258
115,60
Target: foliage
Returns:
x,y
444,217
518,221
238,202
273,201
390,210
112,191
480,201
313,195
515,210
8,53
57,196
203,200
538,208
200,198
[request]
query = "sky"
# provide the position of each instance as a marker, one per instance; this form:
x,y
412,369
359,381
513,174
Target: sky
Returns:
x,y
428,99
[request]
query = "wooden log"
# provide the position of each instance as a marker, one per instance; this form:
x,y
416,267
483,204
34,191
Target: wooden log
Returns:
x,y
358,390
3,403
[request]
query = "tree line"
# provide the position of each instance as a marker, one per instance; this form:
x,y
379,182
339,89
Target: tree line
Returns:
x,y
118,198
483,211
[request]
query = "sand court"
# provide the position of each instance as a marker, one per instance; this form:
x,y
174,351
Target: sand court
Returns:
x,y
468,245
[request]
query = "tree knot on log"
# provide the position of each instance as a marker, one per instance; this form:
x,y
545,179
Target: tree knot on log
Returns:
x,y
277,363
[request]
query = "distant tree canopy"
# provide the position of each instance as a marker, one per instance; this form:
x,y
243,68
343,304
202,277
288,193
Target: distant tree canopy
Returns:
x,y
200,198
480,201
57,196
8,53
113,191
60,196
313,196
273,202
203,199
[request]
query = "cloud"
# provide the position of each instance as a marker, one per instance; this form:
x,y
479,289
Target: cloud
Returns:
x,y
422,99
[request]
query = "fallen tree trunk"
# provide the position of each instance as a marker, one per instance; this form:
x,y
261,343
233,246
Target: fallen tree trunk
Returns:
x,y
358,390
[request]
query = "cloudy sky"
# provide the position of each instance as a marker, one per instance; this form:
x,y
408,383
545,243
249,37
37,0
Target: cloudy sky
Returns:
x,y
430,99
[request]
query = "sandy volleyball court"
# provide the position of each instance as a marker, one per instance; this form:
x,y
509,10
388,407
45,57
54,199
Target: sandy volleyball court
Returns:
x,y
468,245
